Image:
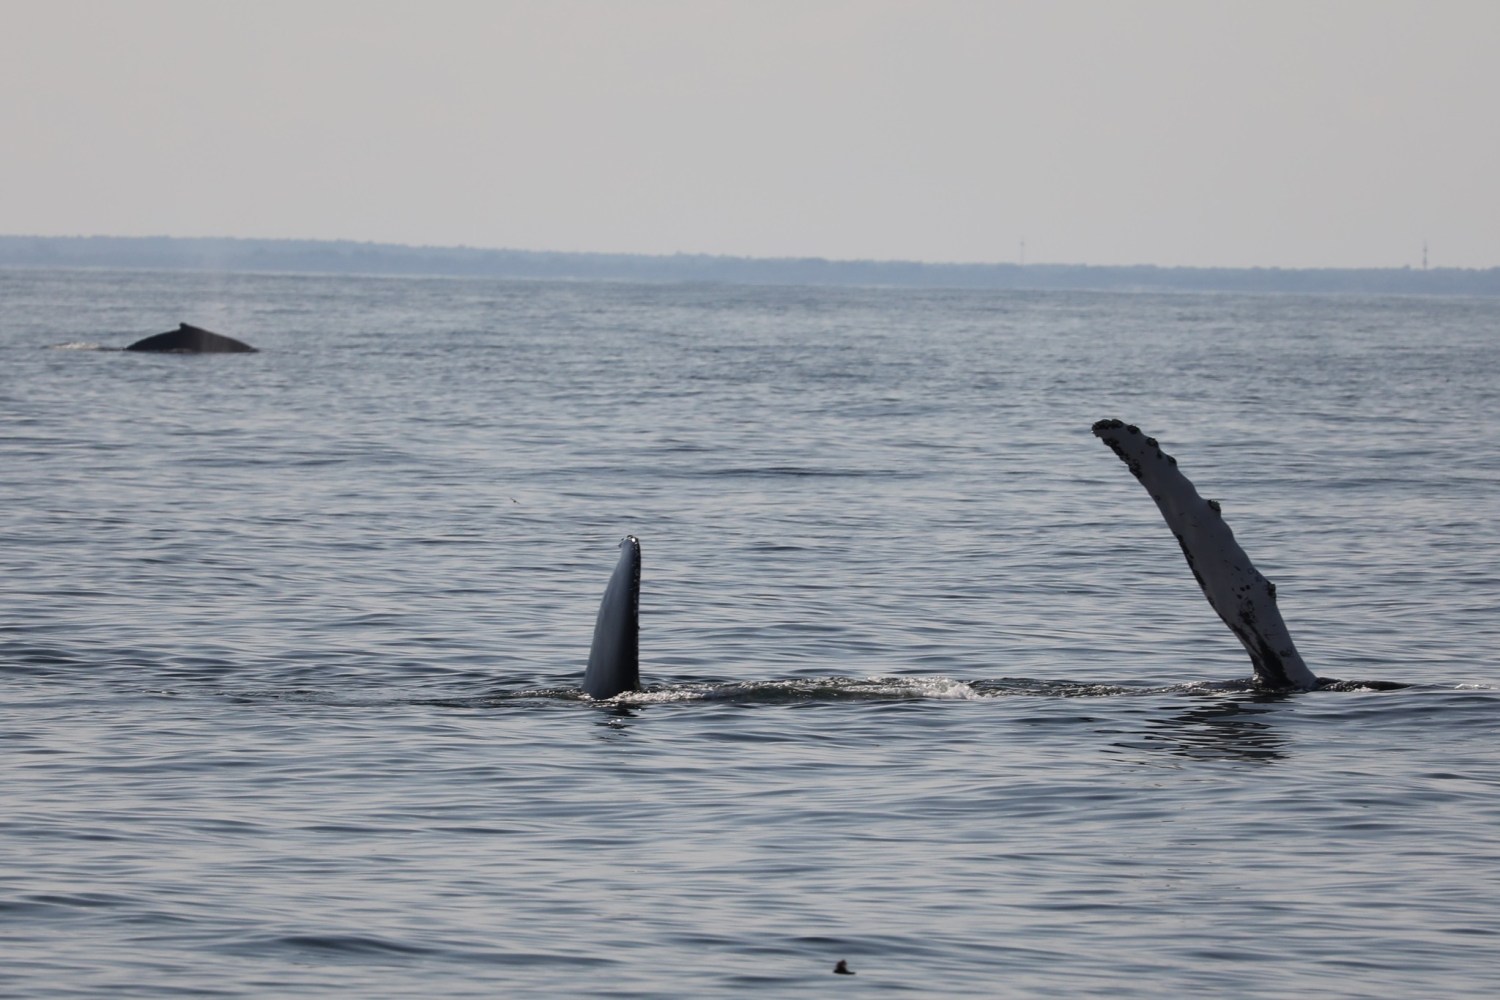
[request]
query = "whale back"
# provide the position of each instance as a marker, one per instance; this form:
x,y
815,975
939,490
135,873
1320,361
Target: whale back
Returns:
x,y
1244,599
614,657
189,339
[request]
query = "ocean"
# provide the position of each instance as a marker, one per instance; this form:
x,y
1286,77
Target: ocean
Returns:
x,y
291,641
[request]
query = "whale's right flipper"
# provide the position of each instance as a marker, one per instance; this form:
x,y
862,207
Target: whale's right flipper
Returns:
x,y
1242,597
614,659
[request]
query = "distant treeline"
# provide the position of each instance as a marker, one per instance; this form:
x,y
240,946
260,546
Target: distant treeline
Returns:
x,y
346,257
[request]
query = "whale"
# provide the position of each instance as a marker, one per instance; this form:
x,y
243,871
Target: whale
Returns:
x,y
1243,598
189,339
614,665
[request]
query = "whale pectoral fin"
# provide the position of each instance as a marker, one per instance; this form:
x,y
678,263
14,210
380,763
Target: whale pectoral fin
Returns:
x,y
1244,599
614,657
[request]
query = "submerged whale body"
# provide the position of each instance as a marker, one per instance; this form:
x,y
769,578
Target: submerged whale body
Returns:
x,y
614,658
1244,599
189,339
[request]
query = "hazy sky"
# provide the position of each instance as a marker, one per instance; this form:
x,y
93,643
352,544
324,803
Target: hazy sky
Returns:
x,y
1202,132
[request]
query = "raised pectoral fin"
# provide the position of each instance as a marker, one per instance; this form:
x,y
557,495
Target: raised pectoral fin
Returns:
x,y
1244,599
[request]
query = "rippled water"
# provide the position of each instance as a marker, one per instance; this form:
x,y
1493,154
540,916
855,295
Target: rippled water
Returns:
x,y
290,643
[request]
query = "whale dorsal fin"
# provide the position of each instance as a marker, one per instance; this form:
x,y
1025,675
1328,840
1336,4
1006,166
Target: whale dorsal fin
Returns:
x,y
614,659
1242,597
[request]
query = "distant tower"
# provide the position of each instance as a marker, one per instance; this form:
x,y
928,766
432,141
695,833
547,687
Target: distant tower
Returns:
x,y
1023,251
1424,255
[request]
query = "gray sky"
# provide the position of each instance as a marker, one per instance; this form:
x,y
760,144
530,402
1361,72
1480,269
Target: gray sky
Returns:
x,y
1201,132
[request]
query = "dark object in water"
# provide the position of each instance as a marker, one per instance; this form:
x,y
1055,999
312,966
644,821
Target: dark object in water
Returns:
x,y
843,968
189,339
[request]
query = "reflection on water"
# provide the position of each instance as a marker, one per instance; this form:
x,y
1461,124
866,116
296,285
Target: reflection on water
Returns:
x,y
613,722
1222,729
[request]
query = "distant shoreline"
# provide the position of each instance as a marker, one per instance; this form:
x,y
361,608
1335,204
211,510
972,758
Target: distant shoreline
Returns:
x,y
228,254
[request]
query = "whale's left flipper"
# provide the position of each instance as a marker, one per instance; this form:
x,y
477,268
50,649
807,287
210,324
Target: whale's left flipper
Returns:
x,y
614,659
1242,597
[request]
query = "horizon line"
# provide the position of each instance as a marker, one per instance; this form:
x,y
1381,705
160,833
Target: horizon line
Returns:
x,y
708,255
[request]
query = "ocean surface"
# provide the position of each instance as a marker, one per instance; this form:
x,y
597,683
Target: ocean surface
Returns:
x,y
290,643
